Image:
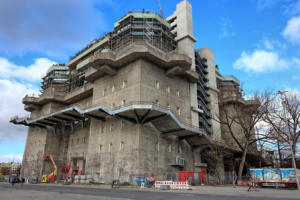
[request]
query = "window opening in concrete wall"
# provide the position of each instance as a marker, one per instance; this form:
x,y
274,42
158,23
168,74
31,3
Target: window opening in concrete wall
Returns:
x,y
71,142
39,142
113,89
113,106
111,127
177,93
178,111
179,149
100,148
168,106
77,140
123,102
104,92
156,84
102,129
157,146
124,84
169,148
121,146
157,102
168,89
109,147
123,124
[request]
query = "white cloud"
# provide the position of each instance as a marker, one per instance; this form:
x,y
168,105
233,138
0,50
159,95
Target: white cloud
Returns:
x,y
263,4
295,78
260,61
32,73
54,28
292,9
226,25
296,62
292,30
10,158
15,83
271,44
12,94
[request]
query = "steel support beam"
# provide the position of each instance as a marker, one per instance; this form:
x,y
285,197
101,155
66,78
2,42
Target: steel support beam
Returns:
x,y
70,115
45,123
136,116
154,118
126,118
96,117
61,118
145,116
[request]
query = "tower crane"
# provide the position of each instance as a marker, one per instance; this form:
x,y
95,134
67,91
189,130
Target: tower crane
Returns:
x,y
161,10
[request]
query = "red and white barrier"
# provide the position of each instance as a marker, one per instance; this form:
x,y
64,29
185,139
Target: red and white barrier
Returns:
x,y
173,185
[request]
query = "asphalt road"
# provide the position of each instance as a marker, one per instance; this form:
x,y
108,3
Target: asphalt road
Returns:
x,y
59,192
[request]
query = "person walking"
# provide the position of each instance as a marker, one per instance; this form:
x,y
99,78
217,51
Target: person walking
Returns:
x,y
23,180
13,181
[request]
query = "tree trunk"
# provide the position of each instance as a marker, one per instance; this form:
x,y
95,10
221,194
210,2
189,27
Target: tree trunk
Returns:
x,y
260,157
279,154
242,162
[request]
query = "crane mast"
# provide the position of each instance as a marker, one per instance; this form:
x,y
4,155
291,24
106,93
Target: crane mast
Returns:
x,y
160,8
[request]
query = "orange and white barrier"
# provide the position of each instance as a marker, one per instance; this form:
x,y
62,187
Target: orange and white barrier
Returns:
x,y
173,185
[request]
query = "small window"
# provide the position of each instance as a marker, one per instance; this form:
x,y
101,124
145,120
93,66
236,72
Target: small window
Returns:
x,y
168,106
121,146
168,89
123,124
100,148
157,146
113,89
156,84
178,111
123,102
111,127
177,93
157,102
77,140
104,92
169,148
179,149
102,129
72,142
124,84
109,147
113,106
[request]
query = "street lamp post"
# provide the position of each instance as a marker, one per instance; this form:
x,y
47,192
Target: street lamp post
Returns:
x,y
281,93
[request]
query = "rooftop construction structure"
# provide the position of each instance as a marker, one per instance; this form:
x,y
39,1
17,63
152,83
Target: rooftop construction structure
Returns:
x,y
137,100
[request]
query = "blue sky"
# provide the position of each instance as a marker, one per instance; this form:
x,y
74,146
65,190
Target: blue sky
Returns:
x,y
256,40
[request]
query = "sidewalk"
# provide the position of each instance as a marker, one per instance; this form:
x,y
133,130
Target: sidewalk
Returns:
x,y
213,190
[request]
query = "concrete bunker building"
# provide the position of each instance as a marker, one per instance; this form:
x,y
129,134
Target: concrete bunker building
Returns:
x,y
137,100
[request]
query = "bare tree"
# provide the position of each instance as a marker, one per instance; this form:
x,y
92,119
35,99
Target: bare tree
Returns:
x,y
212,156
239,113
276,117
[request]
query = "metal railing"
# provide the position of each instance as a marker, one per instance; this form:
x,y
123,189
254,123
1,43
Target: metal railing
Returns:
x,y
205,124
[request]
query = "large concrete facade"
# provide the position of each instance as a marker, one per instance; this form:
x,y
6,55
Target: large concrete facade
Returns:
x,y
128,109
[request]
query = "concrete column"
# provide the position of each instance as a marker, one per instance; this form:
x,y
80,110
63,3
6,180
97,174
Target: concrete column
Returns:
x,y
207,53
186,40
